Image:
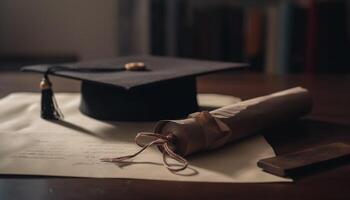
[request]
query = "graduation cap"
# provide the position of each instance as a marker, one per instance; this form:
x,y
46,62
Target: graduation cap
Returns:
x,y
135,88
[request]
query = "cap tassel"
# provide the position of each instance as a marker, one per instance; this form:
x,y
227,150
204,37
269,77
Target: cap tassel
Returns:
x,y
49,107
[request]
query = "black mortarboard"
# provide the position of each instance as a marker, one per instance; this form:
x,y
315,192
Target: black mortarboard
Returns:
x,y
135,88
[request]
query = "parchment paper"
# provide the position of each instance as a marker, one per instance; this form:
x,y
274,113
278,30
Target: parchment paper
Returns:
x,y
30,145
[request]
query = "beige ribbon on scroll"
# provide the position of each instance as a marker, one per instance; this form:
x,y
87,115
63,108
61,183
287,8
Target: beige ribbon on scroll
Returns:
x,y
211,127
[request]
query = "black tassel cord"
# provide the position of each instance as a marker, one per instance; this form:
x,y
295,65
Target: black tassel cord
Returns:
x,y
49,107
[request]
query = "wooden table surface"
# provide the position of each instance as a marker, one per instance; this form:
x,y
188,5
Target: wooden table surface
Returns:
x,y
328,122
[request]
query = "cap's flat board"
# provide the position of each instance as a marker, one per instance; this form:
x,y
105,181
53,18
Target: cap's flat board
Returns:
x,y
159,69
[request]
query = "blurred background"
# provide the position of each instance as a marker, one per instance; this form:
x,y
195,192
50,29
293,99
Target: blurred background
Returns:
x,y
273,36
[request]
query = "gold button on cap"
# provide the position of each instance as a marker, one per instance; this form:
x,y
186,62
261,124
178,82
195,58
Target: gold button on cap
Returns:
x,y
135,66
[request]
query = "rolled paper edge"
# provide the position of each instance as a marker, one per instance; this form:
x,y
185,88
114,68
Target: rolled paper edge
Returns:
x,y
177,128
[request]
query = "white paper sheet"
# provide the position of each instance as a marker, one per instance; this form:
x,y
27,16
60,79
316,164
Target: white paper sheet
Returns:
x,y
73,147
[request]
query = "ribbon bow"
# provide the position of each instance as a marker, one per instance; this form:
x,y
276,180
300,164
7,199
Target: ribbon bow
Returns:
x,y
164,145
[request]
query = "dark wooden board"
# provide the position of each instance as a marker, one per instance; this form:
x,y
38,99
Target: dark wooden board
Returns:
x,y
291,163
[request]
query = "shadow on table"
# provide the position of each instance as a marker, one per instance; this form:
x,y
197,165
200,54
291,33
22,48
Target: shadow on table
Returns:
x,y
306,133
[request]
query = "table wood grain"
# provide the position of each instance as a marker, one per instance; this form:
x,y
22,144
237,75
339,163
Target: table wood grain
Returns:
x,y
328,122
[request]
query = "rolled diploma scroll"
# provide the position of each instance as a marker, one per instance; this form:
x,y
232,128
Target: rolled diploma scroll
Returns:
x,y
210,130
